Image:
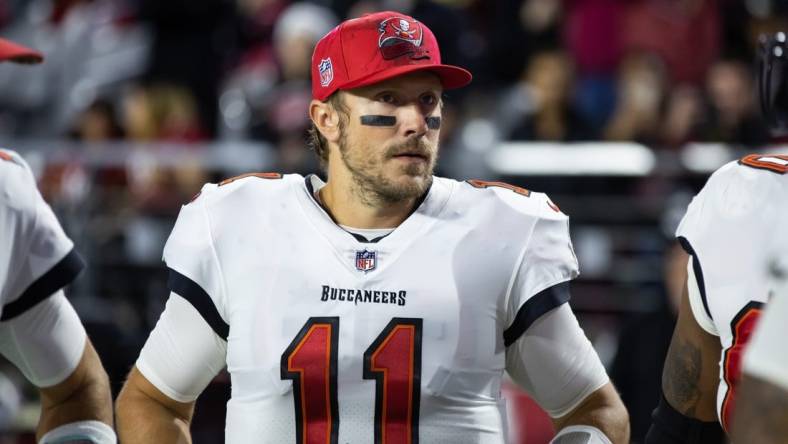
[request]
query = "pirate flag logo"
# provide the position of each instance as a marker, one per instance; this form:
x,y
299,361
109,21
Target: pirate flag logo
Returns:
x,y
400,36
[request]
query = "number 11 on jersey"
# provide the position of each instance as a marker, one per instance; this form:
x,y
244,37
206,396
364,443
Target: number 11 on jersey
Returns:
x,y
393,361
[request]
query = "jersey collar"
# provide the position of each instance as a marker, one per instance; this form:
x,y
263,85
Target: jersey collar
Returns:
x,y
423,217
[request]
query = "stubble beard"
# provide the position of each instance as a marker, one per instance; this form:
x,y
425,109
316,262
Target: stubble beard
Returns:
x,y
371,184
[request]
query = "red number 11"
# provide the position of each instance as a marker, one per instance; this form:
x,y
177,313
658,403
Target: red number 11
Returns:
x,y
393,361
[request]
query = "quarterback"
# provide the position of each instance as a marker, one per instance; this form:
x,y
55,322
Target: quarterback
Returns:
x,y
381,306
39,330
734,231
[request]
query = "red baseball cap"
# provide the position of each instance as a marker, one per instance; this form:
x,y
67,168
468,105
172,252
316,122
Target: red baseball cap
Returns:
x,y
17,53
377,47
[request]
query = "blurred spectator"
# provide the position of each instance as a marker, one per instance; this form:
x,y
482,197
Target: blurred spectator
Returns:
x,y
684,33
641,87
98,123
163,112
257,19
176,114
267,96
548,83
732,116
137,111
519,30
193,40
683,112
592,31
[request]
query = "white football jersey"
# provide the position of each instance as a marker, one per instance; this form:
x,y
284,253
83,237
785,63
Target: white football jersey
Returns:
x,y
735,230
334,339
36,256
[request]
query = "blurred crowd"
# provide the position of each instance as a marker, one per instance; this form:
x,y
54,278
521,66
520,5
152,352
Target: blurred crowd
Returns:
x,y
663,73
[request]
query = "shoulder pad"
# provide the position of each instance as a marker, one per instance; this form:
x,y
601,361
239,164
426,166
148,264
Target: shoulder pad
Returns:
x,y
520,199
236,181
12,157
774,163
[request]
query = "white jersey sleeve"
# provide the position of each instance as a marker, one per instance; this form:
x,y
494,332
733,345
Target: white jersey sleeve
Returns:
x,y
728,231
547,353
45,342
555,363
195,272
37,258
187,348
182,353
547,260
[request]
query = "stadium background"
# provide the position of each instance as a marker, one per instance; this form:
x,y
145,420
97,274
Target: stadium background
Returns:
x,y
618,109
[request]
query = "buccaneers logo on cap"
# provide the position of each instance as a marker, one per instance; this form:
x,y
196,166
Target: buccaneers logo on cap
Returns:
x,y
400,36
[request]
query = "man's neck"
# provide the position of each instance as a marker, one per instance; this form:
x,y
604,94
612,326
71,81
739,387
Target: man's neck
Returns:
x,y
349,208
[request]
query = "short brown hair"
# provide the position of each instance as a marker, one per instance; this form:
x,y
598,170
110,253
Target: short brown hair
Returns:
x,y
315,140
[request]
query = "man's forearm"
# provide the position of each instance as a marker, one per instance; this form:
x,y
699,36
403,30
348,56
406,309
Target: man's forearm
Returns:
x,y
84,395
141,419
604,410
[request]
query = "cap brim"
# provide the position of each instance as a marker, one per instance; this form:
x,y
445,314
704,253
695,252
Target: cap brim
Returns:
x,y
451,76
12,52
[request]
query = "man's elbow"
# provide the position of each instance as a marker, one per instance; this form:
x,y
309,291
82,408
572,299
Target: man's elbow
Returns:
x,y
603,410
617,417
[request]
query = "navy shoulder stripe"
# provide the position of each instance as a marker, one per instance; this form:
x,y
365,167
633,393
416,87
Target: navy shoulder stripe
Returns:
x,y
62,274
534,308
685,244
192,292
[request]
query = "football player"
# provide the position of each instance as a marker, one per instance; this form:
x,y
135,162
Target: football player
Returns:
x,y
382,305
762,409
39,330
732,230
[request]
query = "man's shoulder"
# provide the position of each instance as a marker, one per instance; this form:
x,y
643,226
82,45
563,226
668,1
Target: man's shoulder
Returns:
x,y
754,173
249,187
744,189
504,199
17,183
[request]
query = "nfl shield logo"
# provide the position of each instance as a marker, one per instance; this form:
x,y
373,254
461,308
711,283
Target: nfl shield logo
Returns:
x,y
366,260
326,71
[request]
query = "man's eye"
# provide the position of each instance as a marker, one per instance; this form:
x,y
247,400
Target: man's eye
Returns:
x,y
428,99
387,98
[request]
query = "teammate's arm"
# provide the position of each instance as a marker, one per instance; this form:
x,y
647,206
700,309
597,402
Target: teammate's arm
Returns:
x,y
688,411
82,401
47,343
145,414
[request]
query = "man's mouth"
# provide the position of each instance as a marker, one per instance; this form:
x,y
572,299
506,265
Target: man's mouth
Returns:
x,y
411,156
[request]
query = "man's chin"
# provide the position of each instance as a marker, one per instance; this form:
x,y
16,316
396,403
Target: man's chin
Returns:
x,y
411,186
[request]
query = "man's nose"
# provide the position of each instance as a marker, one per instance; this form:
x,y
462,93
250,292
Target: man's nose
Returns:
x,y
413,121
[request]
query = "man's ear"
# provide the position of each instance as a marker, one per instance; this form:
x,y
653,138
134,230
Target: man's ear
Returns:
x,y
326,119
